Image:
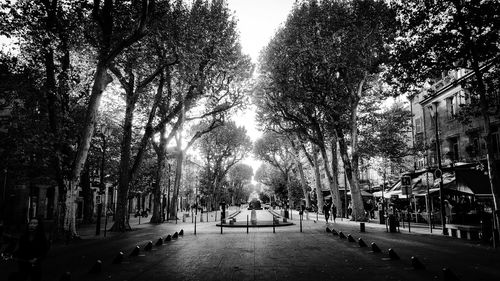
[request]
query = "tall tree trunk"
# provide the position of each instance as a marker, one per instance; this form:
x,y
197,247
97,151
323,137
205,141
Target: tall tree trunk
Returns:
x,y
474,57
358,207
492,167
332,178
121,223
319,192
160,179
88,199
300,167
177,180
101,80
335,172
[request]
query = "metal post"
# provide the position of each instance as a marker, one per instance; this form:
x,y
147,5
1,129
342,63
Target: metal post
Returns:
x,y
300,218
409,210
216,216
221,226
247,223
438,151
274,230
345,194
194,224
427,203
105,224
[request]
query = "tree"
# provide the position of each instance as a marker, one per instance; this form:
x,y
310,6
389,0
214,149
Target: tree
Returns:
x,y
222,148
239,176
276,151
317,70
437,36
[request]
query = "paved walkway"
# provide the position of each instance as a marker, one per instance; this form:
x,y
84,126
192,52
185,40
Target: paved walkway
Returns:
x,y
261,254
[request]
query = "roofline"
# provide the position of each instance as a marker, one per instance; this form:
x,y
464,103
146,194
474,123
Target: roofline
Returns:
x,y
456,82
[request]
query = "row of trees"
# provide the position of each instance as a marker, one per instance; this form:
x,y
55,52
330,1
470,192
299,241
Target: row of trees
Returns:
x,y
325,72
169,71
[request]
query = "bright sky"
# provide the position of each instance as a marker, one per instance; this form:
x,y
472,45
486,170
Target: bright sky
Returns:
x,y
258,20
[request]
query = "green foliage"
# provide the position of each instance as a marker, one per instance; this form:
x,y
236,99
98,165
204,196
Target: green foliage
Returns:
x,y
437,36
221,149
388,135
275,150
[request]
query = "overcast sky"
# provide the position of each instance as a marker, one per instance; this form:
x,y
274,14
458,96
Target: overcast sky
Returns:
x,y
258,20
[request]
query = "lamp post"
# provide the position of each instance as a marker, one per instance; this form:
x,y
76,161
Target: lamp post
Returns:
x,y
434,114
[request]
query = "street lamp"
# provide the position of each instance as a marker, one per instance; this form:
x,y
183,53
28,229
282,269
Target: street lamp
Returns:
x,y
438,173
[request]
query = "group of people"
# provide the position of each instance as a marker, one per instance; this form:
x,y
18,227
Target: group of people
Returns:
x,y
327,207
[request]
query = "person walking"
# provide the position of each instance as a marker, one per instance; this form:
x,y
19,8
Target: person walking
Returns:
x,y
326,211
334,212
32,248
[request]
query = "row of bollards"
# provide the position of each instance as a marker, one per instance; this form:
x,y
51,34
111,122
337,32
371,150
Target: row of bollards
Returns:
x,y
448,275
118,259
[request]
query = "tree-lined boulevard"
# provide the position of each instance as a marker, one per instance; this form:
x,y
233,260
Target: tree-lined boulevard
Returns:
x,y
119,112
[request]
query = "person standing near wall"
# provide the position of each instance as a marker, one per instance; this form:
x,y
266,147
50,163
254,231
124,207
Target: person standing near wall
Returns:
x,y
31,249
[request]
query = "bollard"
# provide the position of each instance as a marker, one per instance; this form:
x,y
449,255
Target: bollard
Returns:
x,y
159,242
195,225
221,226
328,230
448,275
175,236
342,235
350,238
274,229
118,259
149,246
168,238
393,255
375,248
247,223
181,233
135,251
415,262
362,243
316,215
362,227
97,268
300,219
216,216
66,276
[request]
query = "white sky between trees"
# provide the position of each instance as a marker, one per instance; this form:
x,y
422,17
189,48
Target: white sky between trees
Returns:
x,y
258,20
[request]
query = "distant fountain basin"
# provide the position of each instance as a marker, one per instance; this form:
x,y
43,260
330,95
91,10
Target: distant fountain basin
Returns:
x,y
255,218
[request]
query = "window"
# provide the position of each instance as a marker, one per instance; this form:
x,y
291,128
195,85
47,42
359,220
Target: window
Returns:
x,y
496,143
451,107
418,124
453,154
462,98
